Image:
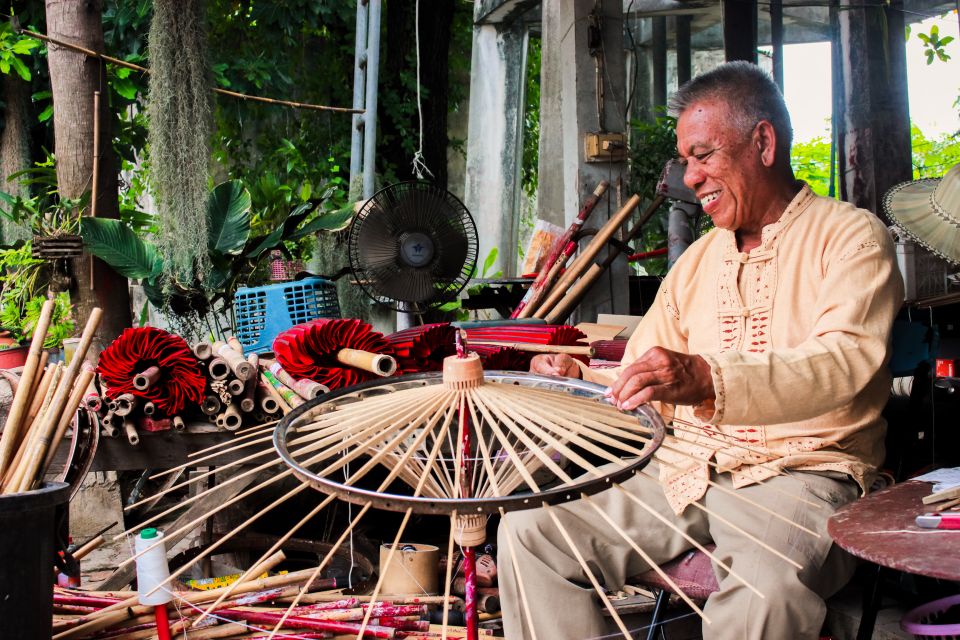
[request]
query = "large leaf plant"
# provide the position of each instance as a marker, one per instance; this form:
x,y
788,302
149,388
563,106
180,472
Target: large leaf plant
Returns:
x,y
233,250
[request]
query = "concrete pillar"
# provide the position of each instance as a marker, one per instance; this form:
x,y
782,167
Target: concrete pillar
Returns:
x,y
569,111
739,29
495,140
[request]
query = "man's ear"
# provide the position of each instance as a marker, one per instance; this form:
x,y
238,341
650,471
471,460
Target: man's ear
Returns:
x,y
765,139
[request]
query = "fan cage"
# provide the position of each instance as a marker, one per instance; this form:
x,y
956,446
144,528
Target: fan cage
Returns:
x,y
375,281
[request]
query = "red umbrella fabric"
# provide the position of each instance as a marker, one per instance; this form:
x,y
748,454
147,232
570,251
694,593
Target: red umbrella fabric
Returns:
x,y
549,334
496,358
423,348
310,350
609,349
135,350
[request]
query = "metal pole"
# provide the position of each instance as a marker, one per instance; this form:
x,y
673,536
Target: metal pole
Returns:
x,y
356,137
370,115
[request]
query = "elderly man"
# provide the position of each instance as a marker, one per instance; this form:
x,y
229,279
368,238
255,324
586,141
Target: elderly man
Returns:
x,y
771,332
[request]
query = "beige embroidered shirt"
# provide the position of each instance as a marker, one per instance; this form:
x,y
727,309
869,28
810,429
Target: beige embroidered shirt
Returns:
x,y
797,335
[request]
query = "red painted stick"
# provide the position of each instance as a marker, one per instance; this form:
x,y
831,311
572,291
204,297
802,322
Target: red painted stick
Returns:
x,y
559,248
83,601
305,623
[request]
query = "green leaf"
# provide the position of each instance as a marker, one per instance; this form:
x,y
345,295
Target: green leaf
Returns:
x,y
117,245
21,69
46,114
228,218
5,66
332,221
488,263
946,40
125,88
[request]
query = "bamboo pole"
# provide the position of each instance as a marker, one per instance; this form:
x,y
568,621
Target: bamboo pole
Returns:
x,y
76,397
248,402
149,376
587,255
58,403
376,363
21,399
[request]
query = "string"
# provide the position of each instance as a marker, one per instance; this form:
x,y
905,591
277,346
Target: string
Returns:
x,y
419,166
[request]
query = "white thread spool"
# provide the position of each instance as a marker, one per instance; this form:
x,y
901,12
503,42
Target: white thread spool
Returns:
x,y
152,568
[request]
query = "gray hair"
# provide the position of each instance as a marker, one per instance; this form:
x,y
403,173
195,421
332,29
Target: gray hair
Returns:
x,y
750,94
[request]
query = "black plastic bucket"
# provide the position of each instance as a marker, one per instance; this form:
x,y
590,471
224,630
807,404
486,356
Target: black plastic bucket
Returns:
x,y
27,542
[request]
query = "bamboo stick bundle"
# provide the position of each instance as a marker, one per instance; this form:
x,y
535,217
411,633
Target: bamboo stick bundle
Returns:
x,y
289,396
74,402
26,474
587,255
563,248
306,389
21,399
38,406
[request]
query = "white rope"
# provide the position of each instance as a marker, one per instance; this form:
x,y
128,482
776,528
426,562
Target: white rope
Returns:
x,y
419,166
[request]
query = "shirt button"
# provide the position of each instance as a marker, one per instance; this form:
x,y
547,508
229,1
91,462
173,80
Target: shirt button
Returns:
x,y
745,312
744,257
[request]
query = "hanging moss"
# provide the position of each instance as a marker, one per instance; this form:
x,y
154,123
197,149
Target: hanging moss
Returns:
x,y
180,113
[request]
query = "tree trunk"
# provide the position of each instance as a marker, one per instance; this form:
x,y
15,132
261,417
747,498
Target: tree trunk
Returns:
x,y
14,145
73,79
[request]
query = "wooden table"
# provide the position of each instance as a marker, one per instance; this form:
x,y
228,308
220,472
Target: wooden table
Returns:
x,y
881,528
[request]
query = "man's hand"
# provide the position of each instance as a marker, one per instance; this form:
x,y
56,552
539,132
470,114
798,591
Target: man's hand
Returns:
x,y
668,376
555,364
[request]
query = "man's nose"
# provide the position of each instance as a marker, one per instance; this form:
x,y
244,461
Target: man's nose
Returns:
x,y
693,175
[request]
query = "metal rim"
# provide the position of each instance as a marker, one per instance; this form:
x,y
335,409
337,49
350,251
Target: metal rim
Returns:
x,y
464,506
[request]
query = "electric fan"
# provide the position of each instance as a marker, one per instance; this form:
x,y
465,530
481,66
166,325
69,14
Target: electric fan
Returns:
x,y
413,246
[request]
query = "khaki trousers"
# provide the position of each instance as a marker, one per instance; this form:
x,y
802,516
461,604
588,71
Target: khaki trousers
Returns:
x,y
564,606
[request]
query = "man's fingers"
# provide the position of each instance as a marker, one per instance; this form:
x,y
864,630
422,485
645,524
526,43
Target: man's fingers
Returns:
x,y
634,384
653,392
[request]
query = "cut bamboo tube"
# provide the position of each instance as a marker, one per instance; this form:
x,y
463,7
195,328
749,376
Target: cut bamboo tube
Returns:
x,y
240,367
202,350
218,368
76,397
235,344
586,256
578,350
230,419
306,389
282,391
235,386
126,403
130,428
149,408
269,398
210,405
21,399
179,424
248,403
147,377
92,399
58,403
376,363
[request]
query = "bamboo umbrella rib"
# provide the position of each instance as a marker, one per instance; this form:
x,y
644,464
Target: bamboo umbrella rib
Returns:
x,y
589,573
247,431
727,439
555,443
519,574
667,446
211,456
579,431
643,554
323,563
731,524
216,545
600,410
383,572
713,557
384,429
273,548
543,456
520,466
238,436
752,503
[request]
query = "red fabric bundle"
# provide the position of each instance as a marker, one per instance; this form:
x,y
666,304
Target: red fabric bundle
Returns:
x,y
137,349
310,350
423,348
553,334
609,349
502,358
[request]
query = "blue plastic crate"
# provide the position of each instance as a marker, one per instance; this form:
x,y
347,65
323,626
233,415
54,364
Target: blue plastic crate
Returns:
x,y
263,312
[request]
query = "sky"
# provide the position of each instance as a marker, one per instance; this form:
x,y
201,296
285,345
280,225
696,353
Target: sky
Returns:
x,y
933,88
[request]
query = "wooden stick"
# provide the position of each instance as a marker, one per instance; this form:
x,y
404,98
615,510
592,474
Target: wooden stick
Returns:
x,y
940,496
578,350
593,579
947,505
376,363
21,399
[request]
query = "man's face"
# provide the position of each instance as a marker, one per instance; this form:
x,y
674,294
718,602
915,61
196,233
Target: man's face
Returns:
x,y
723,166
